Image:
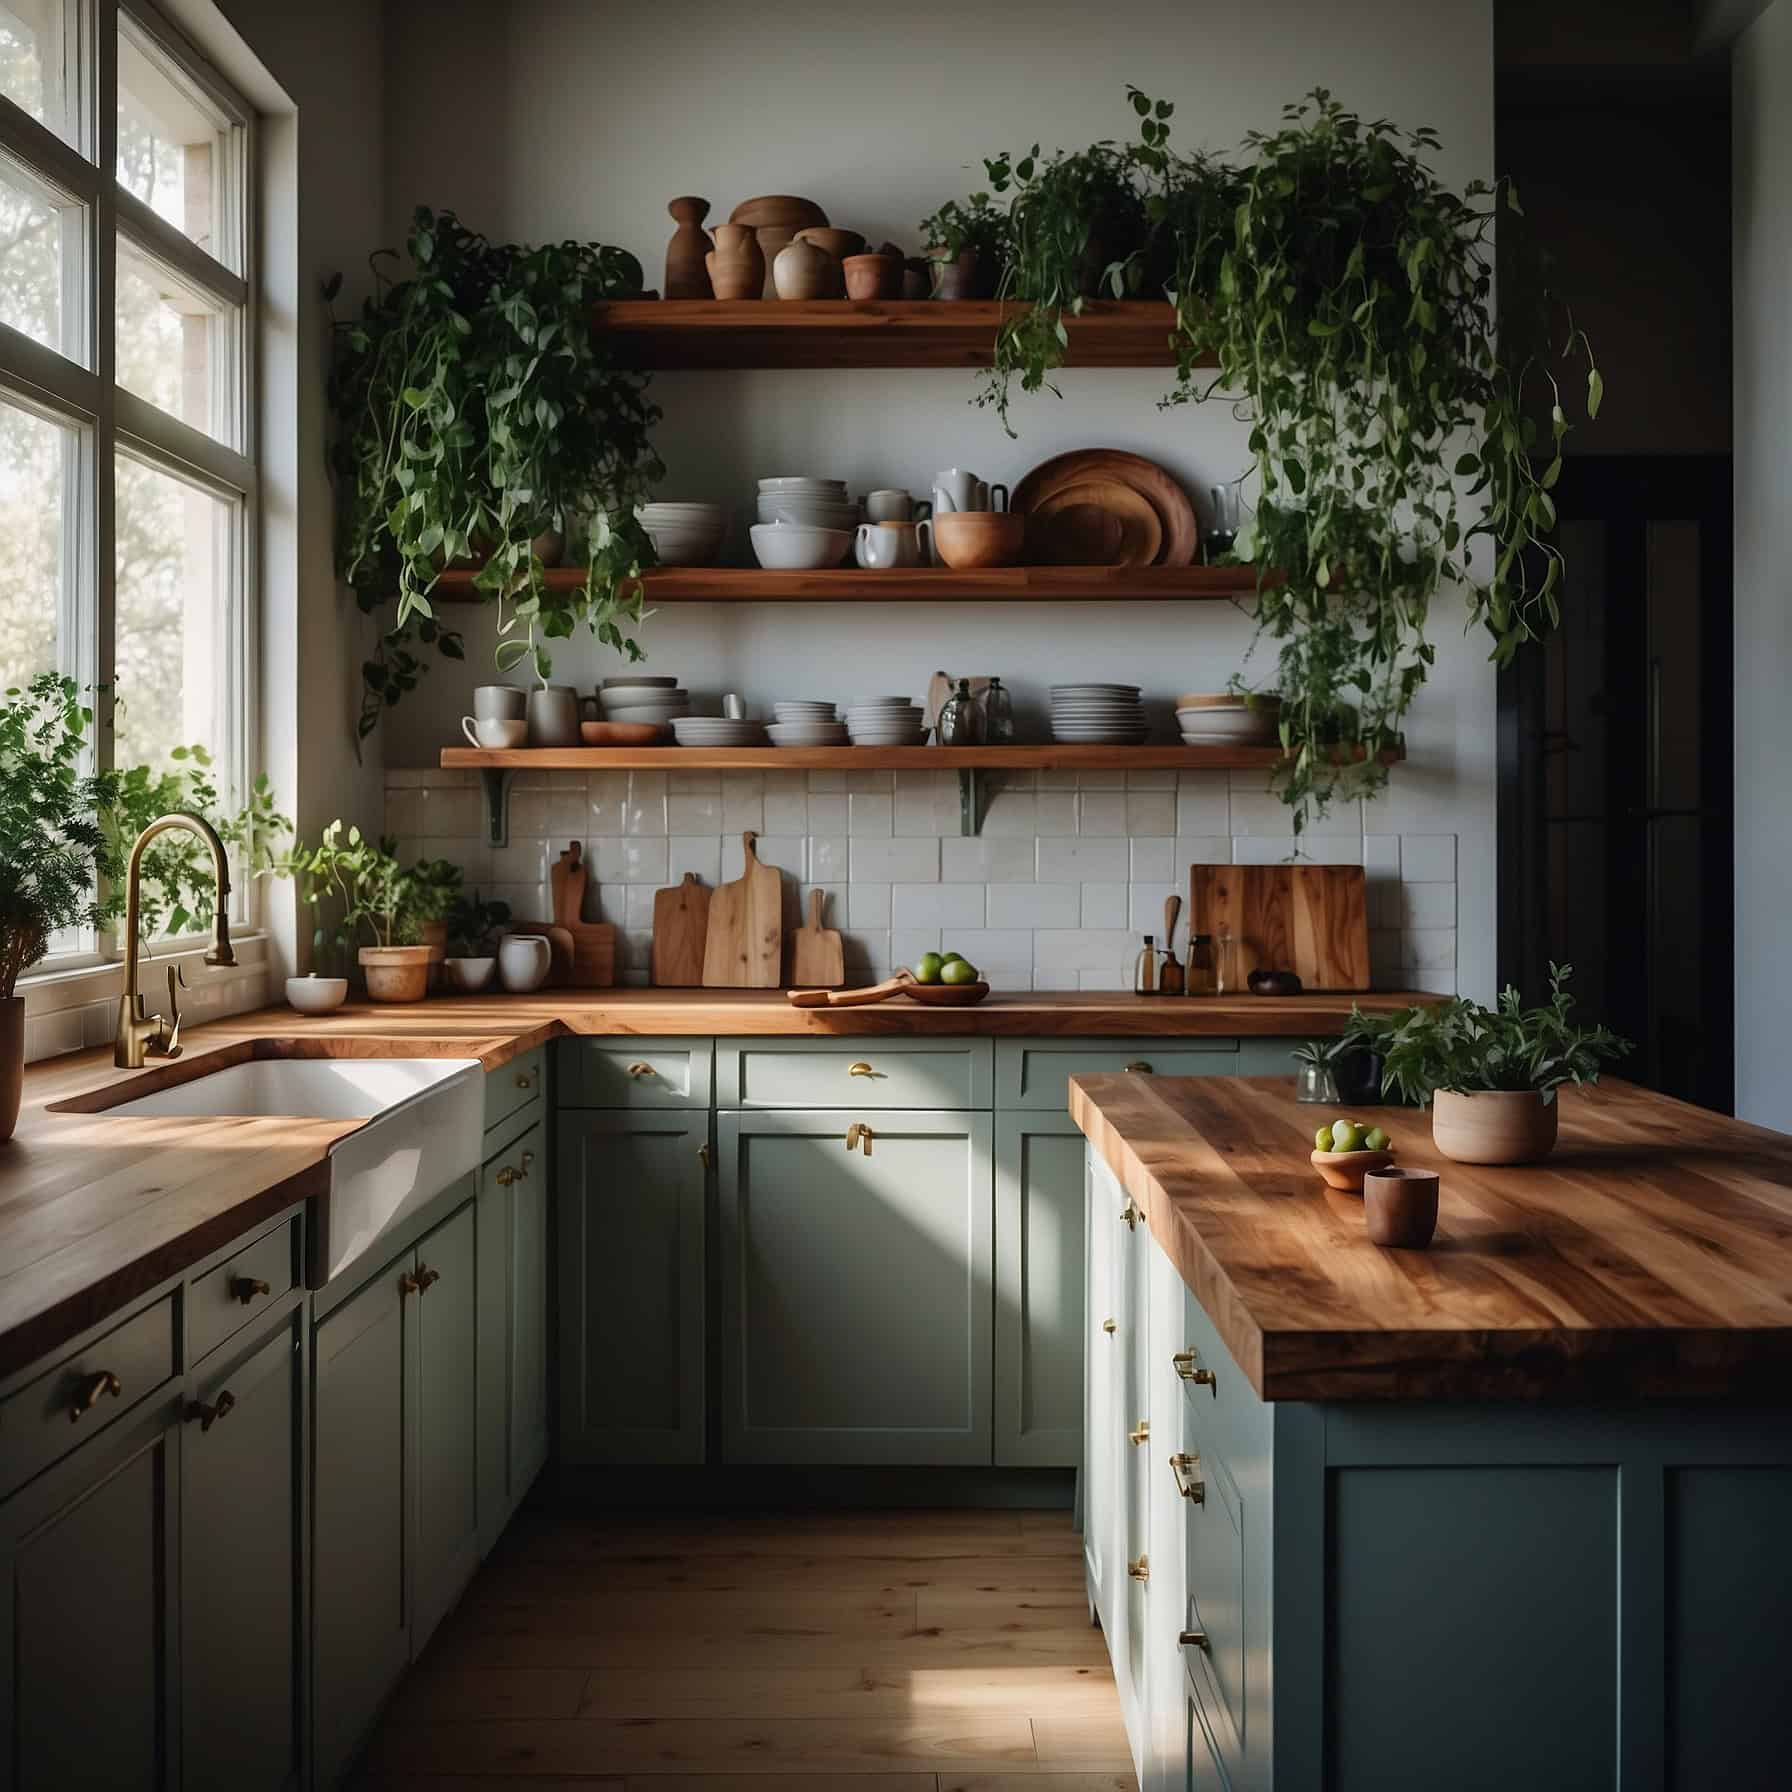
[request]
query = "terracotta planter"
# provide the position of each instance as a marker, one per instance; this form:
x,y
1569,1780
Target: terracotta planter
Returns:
x,y
396,973
12,1062
1400,1208
1494,1126
966,277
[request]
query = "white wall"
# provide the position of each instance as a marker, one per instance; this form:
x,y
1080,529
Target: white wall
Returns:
x,y
571,120
1763,259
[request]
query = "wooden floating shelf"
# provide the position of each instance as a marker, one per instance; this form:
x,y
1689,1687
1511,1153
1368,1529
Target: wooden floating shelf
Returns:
x,y
921,584
1045,756
670,334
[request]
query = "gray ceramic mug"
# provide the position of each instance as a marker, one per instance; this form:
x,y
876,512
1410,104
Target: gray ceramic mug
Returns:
x,y
499,702
554,716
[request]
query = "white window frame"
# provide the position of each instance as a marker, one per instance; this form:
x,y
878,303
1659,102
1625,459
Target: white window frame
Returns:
x,y
79,389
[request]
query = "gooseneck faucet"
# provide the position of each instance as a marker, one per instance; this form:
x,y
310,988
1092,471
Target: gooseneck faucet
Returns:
x,y
141,1034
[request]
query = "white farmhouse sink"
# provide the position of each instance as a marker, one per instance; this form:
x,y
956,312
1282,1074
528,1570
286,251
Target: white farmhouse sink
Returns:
x,y
424,1123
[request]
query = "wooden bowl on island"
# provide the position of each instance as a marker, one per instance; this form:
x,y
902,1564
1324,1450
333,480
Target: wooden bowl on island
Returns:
x,y
1345,1170
946,995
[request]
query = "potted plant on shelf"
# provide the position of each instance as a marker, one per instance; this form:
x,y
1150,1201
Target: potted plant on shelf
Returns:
x,y
965,246
54,850
376,893
1490,1074
435,891
474,929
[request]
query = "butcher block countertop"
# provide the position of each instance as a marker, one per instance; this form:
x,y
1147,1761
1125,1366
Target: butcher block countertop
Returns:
x,y
1650,1256
94,1210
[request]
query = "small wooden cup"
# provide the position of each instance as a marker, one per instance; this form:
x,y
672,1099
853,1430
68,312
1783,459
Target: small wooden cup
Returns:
x,y
872,276
1400,1208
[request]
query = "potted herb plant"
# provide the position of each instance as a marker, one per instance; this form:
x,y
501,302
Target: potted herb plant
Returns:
x,y
965,245
435,890
474,929
377,894
54,852
1491,1074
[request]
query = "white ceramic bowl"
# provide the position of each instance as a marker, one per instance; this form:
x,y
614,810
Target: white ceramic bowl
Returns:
x,y
629,679
643,693
1215,724
316,995
469,975
674,510
797,482
658,714
683,547
791,547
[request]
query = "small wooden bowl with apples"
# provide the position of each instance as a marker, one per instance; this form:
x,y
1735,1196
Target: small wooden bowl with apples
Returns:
x,y
1345,1152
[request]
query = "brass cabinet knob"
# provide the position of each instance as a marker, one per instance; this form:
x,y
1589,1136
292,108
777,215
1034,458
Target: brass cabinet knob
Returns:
x,y
1186,1469
638,1070
246,1288
1194,1639
523,1168
504,1176
525,1079
1184,1364
1140,1433
858,1136
104,1382
860,1068
1110,1326
208,1416
1141,1569
427,1279
408,1284
1130,1214
704,1155
1139,1065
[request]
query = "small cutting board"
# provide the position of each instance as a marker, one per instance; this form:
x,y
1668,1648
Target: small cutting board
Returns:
x,y
1309,919
817,960
744,945
680,928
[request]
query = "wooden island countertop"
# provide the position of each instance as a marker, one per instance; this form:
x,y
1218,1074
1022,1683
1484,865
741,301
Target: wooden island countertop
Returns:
x,y
1649,1257
95,1210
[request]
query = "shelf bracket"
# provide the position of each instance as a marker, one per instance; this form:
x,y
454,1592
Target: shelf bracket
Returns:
x,y
973,801
497,804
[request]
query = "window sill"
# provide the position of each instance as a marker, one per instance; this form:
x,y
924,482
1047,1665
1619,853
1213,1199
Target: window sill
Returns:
x,y
71,1006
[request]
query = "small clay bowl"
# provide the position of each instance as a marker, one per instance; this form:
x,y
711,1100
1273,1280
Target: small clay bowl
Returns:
x,y
1400,1208
620,734
968,539
1345,1170
946,995
838,243
873,276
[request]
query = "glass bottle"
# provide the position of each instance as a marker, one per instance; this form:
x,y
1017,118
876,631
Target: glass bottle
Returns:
x,y
1225,963
959,719
1199,980
998,713
1144,973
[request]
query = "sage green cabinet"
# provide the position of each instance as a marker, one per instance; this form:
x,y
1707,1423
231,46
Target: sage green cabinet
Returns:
x,y
632,1289
239,1565
857,1269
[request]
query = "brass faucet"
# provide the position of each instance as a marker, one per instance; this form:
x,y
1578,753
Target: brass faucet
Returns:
x,y
141,1034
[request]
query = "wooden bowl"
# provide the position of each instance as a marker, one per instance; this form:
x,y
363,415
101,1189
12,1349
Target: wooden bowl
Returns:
x,y
620,734
946,995
967,539
1345,1170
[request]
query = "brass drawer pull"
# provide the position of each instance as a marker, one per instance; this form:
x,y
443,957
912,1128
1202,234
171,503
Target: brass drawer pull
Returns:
x,y
1139,1065
525,1079
427,1279
208,1416
247,1288
1184,1363
1130,1214
1187,1470
1194,1639
102,1383
638,1070
408,1284
859,1135
507,1175
1141,1569
704,1155
860,1068
1110,1326
1141,1433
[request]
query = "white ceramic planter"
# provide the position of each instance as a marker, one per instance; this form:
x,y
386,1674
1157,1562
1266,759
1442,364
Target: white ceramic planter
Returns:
x,y
1494,1126
523,961
469,976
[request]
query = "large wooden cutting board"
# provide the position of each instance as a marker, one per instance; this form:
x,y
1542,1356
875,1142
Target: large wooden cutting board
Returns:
x,y
1309,919
680,934
744,946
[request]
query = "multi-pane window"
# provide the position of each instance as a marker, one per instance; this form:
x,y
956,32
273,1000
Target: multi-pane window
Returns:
x,y
127,477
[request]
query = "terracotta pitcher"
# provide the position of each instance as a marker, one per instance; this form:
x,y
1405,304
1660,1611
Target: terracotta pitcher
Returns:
x,y
736,266
686,275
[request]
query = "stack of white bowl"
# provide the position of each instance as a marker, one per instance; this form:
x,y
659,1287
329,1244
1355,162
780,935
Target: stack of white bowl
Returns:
x,y
1097,714
718,731
684,534
804,523
806,723
884,722
637,698
1225,719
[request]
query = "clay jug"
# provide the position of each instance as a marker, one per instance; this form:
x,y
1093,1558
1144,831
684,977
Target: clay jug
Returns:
x,y
803,271
686,274
736,267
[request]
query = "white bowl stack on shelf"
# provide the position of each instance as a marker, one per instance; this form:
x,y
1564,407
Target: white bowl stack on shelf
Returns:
x,y
1098,715
718,731
806,722
885,722
1225,719
637,698
685,534
804,523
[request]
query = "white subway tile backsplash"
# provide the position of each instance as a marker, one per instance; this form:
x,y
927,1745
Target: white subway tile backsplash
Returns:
x,y
1003,954
908,943
1147,911
1262,849
606,802
936,905
637,907
1083,860
789,852
1381,855
868,783
985,861
1428,949
1151,780
896,861
1035,905
1104,905
870,814
868,905
1012,815
1150,812
1256,811
1201,849
1056,813
743,805
636,861
695,813
1153,861
828,811
1426,905
1203,803
1104,950
828,862
693,783
786,812
699,853
1428,858
1103,812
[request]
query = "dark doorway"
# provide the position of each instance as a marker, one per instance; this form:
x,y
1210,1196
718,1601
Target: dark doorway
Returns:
x,y
1615,770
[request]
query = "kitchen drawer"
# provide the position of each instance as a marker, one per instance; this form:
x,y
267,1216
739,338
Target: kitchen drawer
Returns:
x,y
514,1085
635,1073
225,1299
1036,1073
35,1423
1213,1555
855,1073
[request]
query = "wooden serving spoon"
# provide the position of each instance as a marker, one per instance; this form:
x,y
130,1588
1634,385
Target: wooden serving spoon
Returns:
x,y
852,998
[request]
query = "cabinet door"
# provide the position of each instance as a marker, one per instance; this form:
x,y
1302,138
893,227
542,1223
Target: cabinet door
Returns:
x,y
856,1289
1135,1470
87,1620
1039,1291
363,1365
1101,1380
447,1421
631,1214
528,1326
239,1571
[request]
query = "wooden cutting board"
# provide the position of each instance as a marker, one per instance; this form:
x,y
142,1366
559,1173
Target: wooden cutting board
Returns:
x,y
680,928
1309,919
1174,511
744,944
593,964
817,960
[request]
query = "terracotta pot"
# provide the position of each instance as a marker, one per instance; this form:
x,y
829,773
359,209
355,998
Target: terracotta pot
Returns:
x,y
12,1062
917,279
1494,1126
966,277
872,276
396,973
736,266
804,271
1400,1208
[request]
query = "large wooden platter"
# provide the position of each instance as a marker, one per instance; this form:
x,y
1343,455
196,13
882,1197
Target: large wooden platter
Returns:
x,y
1174,511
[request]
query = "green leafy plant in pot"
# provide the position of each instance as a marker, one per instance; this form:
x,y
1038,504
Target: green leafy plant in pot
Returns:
x,y
967,247
55,854
1490,1075
474,929
375,894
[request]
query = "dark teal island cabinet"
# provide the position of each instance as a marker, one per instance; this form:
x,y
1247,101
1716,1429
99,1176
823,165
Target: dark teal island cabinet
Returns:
x,y
1513,1512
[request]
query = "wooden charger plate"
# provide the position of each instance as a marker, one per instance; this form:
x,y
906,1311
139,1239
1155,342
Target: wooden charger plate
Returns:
x,y
619,734
1095,522
1174,511
946,995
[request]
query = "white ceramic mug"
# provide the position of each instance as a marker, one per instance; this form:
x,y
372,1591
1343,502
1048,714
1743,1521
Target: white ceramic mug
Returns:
x,y
523,961
879,547
499,702
956,489
486,732
889,507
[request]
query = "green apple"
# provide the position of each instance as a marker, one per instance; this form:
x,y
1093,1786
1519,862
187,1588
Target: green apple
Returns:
x,y
1375,1139
958,970
952,958
927,969
1344,1135
1323,1137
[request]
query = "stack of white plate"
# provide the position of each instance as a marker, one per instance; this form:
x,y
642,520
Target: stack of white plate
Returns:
x,y
1224,719
637,698
805,723
815,503
684,534
717,731
884,722
1098,714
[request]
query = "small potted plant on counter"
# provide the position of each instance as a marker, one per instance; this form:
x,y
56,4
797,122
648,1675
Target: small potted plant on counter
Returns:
x,y
1491,1074
474,929
375,893
965,247
435,886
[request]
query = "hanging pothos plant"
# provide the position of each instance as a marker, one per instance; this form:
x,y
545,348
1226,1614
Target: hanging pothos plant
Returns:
x,y
1341,298
480,414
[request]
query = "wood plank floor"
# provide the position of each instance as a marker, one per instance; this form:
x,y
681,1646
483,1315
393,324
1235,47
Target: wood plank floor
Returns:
x,y
870,1652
